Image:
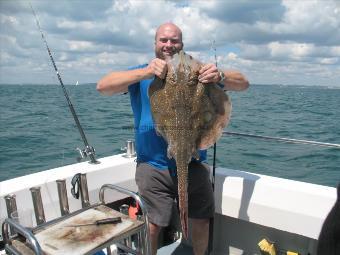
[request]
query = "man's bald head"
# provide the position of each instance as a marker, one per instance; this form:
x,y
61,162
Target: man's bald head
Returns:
x,y
168,40
169,26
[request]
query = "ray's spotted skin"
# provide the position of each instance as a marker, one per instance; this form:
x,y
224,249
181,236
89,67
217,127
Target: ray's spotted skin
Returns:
x,y
189,115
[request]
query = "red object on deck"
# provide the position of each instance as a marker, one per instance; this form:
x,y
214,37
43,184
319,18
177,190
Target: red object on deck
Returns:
x,y
133,210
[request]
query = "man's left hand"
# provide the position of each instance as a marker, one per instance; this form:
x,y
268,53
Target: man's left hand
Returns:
x,y
209,74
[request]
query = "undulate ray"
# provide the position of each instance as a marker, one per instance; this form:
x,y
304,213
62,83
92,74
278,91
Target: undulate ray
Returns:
x,y
189,115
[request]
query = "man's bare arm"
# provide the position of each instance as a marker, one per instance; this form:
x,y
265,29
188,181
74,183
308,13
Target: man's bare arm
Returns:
x,y
118,82
234,80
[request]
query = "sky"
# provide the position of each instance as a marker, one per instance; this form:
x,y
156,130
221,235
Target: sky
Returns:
x,y
286,42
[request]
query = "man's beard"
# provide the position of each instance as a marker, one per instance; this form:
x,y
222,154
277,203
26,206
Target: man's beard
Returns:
x,y
160,54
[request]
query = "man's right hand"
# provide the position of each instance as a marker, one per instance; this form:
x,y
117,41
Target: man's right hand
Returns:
x,y
157,67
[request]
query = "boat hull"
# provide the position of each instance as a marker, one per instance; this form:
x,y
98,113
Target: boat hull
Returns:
x,y
249,206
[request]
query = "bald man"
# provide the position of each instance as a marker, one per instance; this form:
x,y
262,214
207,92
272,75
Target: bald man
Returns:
x,y
156,173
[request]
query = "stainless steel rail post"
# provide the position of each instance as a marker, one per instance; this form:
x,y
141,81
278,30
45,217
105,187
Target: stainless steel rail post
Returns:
x,y
84,192
146,249
63,200
124,209
108,250
11,206
38,205
139,237
23,231
130,149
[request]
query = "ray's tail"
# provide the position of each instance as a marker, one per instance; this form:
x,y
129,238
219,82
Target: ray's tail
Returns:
x,y
182,173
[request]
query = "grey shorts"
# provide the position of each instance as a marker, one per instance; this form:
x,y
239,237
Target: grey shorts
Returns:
x,y
158,189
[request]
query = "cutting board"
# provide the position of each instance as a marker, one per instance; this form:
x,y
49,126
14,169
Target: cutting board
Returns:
x,y
61,240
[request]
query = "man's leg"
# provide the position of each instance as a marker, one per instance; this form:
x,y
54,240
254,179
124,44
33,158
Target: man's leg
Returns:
x,y
200,235
157,189
201,205
154,233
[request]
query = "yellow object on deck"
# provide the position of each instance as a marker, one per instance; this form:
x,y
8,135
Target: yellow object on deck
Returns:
x,y
292,253
266,247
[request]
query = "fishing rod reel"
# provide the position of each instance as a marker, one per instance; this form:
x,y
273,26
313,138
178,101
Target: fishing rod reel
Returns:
x,y
89,151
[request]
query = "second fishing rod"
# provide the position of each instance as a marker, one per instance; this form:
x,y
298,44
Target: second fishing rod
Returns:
x,y
89,150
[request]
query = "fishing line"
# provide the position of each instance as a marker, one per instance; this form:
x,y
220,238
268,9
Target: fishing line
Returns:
x,y
89,150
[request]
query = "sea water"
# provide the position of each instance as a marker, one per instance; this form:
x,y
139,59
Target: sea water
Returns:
x,y
37,130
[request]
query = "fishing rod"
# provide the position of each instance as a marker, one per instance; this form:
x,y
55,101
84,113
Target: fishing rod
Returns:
x,y
285,140
215,146
89,150
211,222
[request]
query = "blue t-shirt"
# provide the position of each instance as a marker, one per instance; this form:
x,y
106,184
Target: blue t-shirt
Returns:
x,y
150,147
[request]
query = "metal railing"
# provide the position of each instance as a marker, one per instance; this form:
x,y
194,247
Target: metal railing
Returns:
x,y
284,140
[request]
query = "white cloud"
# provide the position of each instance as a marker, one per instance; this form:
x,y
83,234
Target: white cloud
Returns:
x,y
270,41
290,50
6,20
232,56
307,20
329,61
80,45
86,25
335,50
5,57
